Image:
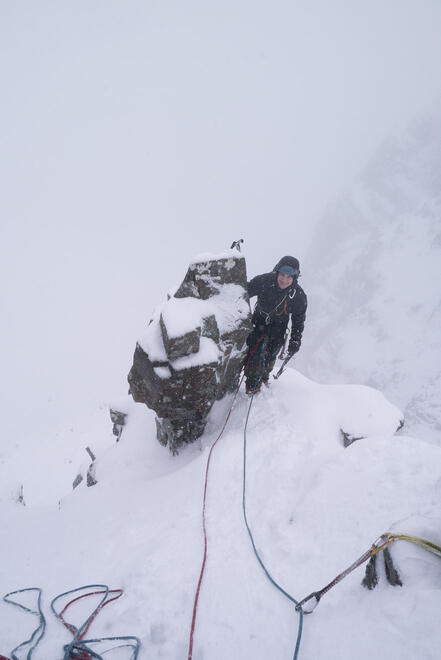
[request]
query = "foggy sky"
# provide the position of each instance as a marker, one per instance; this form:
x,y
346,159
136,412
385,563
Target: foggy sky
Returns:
x,y
135,135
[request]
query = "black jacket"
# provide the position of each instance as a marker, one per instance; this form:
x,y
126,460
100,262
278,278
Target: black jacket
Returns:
x,y
274,307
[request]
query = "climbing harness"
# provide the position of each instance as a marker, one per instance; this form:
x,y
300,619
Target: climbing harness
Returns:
x,y
267,315
250,534
80,647
38,633
380,544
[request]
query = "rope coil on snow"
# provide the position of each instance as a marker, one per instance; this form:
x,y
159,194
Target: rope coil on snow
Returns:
x,y
38,633
79,647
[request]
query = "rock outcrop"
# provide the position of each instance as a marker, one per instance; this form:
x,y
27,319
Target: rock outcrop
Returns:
x,y
194,347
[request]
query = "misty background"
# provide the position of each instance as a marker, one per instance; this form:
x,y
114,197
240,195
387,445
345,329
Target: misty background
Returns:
x,y
136,135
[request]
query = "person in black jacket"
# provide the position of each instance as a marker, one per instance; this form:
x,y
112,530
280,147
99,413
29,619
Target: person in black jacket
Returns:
x,y
279,298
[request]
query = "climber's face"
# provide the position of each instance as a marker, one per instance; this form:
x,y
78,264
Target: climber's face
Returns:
x,y
284,281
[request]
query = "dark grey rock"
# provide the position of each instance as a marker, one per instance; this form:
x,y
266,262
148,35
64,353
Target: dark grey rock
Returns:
x,y
91,479
210,328
78,479
180,377
203,279
181,346
348,439
119,419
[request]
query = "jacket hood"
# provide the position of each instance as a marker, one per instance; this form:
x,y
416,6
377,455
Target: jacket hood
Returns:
x,y
288,261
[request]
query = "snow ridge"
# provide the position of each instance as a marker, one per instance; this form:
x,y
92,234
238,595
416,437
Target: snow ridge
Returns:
x,y
313,506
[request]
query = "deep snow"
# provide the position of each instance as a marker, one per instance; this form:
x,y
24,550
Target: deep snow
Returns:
x,y
314,507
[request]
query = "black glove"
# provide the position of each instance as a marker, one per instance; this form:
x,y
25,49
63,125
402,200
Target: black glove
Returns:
x,y
293,347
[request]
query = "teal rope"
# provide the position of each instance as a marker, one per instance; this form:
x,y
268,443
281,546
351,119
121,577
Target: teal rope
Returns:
x,y
265,570
78,647
83,647
38,633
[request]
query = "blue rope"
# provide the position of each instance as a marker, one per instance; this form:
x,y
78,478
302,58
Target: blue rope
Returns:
x,y
265,570
78,647
38,633
83,648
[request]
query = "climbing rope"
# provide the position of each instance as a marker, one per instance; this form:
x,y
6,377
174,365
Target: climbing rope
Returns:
x,y
38,633
204,528
250,534
204,502
262,340
80,647
423,543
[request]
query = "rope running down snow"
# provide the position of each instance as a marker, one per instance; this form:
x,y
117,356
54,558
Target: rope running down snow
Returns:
x,y
204,559
259,559
204,528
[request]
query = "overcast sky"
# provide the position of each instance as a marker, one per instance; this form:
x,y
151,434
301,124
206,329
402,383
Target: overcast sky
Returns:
x,y
135,135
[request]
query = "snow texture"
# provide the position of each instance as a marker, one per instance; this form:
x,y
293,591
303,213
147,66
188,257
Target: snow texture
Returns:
x,y
182,315
208,353
374,282
162,372
313,505
231,255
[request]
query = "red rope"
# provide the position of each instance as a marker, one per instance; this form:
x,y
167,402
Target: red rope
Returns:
x,y
204,560
198,589
91,593
72,629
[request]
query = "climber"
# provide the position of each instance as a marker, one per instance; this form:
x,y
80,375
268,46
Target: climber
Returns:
x,y
279,297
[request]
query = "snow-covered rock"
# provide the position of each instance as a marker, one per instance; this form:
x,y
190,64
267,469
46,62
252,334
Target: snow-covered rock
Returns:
x,y
192,352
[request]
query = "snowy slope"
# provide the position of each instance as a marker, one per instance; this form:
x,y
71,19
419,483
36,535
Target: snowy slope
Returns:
x,y
374,282
314,507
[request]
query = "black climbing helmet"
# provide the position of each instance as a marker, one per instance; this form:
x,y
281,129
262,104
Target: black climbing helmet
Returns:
x,y
291,262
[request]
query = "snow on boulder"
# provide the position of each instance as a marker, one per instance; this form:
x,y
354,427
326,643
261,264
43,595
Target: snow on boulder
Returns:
x,y
352,411
193,349
363,411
